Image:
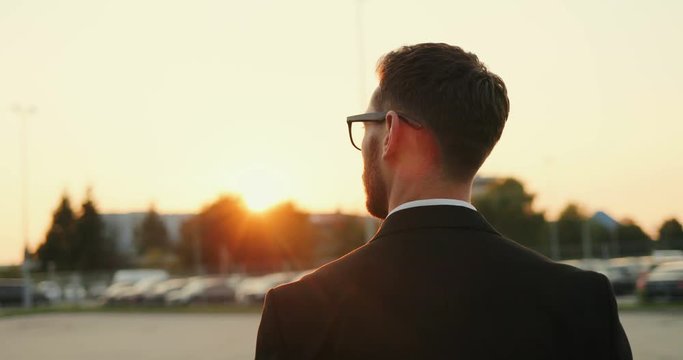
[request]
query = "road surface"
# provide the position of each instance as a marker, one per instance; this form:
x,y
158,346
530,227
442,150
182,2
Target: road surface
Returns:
x,y
113,336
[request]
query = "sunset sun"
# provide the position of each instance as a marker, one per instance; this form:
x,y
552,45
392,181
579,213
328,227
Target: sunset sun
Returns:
x,y
261,189
259,200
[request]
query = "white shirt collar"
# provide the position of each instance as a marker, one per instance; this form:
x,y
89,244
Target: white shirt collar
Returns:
x,y
432,202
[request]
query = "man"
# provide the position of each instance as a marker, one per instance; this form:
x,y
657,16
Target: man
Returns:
x,y
437,281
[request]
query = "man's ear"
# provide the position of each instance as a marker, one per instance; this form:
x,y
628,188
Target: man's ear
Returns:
x,y
393,128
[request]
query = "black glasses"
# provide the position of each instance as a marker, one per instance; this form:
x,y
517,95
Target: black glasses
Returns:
x,y
357,126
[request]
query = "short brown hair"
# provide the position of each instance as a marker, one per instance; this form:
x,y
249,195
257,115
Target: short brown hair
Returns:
x,y
453,94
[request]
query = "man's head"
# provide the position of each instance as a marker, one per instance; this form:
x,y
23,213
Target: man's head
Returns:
x,y
461,108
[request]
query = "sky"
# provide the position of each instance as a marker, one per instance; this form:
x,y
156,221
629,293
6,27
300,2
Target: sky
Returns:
x,y
174,103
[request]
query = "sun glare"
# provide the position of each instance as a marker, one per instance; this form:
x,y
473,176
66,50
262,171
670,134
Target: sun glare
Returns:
x,y
261,189
260,201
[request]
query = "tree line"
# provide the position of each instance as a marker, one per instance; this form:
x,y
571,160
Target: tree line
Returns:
x,y
77,241
509,208
225,236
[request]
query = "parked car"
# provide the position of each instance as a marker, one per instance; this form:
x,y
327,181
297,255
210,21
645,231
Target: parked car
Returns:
x,y
113,293
130,286
203,290
253,290
157,294
135,275
623,277
660,256
135,294
74,292
12,294
665,282
97,289
51,290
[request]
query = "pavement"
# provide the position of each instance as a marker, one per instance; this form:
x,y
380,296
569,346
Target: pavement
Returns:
x,y
130,336
654,335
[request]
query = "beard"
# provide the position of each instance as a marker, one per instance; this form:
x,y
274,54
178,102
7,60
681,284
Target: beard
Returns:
x,y
376,200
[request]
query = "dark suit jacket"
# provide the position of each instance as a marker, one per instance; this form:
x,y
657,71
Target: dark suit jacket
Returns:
x,y
439,282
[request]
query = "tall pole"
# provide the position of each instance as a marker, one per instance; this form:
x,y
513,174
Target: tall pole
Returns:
x,y
586,240
554,241
613,234
361,53
197,251
23,113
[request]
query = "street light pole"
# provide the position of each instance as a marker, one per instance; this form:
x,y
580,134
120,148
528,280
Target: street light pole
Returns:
x,y
361,52
23,113
554,241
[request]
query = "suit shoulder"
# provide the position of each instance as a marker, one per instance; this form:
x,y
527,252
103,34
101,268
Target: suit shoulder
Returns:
x,y
330,282
583,289
515,255
572,274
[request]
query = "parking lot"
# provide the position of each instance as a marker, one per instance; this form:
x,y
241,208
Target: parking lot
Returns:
x,y
653,334
115,336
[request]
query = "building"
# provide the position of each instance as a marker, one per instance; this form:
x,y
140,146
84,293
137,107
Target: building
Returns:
x,y
122,228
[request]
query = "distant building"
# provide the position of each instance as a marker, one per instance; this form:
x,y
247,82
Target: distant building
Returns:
x,y
122,228
605,220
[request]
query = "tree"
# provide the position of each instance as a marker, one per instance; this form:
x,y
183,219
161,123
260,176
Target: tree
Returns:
x,y
603,232
151,234
290,234
92,249
604,240
633,240
671,235
346,234
569,228
59,240
225,236
584,237
214,234
509,208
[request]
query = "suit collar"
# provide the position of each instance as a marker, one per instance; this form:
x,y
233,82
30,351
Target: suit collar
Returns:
x,y
432,202
437,216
